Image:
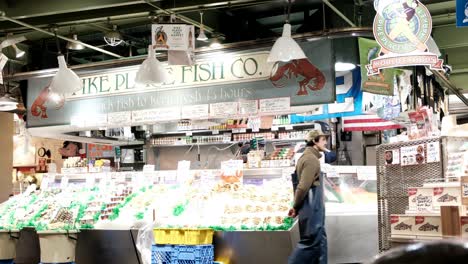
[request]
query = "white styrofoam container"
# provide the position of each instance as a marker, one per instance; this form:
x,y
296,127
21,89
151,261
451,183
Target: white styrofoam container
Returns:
x,y
428,225
402,225
446,196
420,199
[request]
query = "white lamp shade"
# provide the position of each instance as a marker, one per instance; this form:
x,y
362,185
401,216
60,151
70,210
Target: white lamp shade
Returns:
x,y
151,70
202,36
65,80
7,103
286,48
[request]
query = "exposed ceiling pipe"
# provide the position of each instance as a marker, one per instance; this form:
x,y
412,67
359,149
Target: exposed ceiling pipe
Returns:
x,y
338,12
451,87
4,17
230,47
181,17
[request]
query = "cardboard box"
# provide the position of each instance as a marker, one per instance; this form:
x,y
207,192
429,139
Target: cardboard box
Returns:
x,y
464,226
446,196
420,199
402,225
428,225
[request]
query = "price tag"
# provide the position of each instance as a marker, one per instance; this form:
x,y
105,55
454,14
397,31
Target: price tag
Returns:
x,y
45,183
242,130
188,133
215,132
274,128
235,130
255,129
90,181
64,183
288,127
148,168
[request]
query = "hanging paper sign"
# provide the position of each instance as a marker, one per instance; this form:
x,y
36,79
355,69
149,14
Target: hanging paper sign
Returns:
x,y
155,115
119,118
226,109
248,107
462,13
402,29
392,157
412,155
173,37
195,111
381,83
433,152
274,105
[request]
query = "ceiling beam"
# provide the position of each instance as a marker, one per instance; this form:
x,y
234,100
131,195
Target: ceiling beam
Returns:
x,y
27,9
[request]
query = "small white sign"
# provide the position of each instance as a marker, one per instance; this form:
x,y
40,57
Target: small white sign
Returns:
x,y
275,105
64,182
226,109
119,118
215,132
288,127
173,37
433,152
465,190
148,168
248,107
195,111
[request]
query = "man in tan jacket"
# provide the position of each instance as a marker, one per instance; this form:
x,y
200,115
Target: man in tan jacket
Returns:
x,y
309,203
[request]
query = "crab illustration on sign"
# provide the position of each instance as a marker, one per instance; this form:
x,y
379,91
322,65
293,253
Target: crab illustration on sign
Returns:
x,y
313,78
40,104
402,28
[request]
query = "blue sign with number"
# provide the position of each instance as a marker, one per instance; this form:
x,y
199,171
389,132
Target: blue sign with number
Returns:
x,y
462,13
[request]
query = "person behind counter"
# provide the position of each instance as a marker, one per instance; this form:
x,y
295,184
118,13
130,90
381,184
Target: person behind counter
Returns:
x,y
309,205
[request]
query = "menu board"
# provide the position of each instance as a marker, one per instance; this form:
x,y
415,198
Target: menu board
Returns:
x,y
433,152
413,155
392,157
154,115
226,109
119,118
274,105
248,107
195,111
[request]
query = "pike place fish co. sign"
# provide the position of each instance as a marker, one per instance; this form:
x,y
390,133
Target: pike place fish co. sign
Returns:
x,y
402,28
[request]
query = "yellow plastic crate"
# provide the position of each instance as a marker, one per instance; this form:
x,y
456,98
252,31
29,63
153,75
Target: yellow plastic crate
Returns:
x,y
169,236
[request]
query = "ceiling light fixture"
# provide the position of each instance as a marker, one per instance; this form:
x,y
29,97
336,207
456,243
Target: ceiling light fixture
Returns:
x,y
113,38
65,81
344,66
7,102
74,45
19,53
151,71
202,36
286,48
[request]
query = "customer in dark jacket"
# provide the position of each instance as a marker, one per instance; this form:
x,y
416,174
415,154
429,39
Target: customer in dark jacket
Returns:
x,y
309,204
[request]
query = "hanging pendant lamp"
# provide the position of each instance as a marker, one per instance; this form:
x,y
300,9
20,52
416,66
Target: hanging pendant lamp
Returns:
x,y
286,48
65,81
202,36
151,71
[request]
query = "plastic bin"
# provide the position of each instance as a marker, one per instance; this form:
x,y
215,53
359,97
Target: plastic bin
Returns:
x,y
8,242
57,247
169,236
182,254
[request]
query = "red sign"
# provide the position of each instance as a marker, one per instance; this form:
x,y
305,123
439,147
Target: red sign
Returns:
x,y
412,191
100,151
419,219
438,191
394,219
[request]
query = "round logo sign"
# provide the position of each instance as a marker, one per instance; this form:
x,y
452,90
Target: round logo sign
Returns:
x,y
403,27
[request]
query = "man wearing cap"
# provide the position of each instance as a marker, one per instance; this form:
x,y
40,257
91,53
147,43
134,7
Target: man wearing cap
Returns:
x,y
309,204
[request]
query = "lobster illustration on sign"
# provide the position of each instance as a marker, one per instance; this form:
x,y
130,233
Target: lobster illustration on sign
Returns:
x,y
39,108
314,79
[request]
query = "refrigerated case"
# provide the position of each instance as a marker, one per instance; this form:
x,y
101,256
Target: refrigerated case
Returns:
x,y
350,193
